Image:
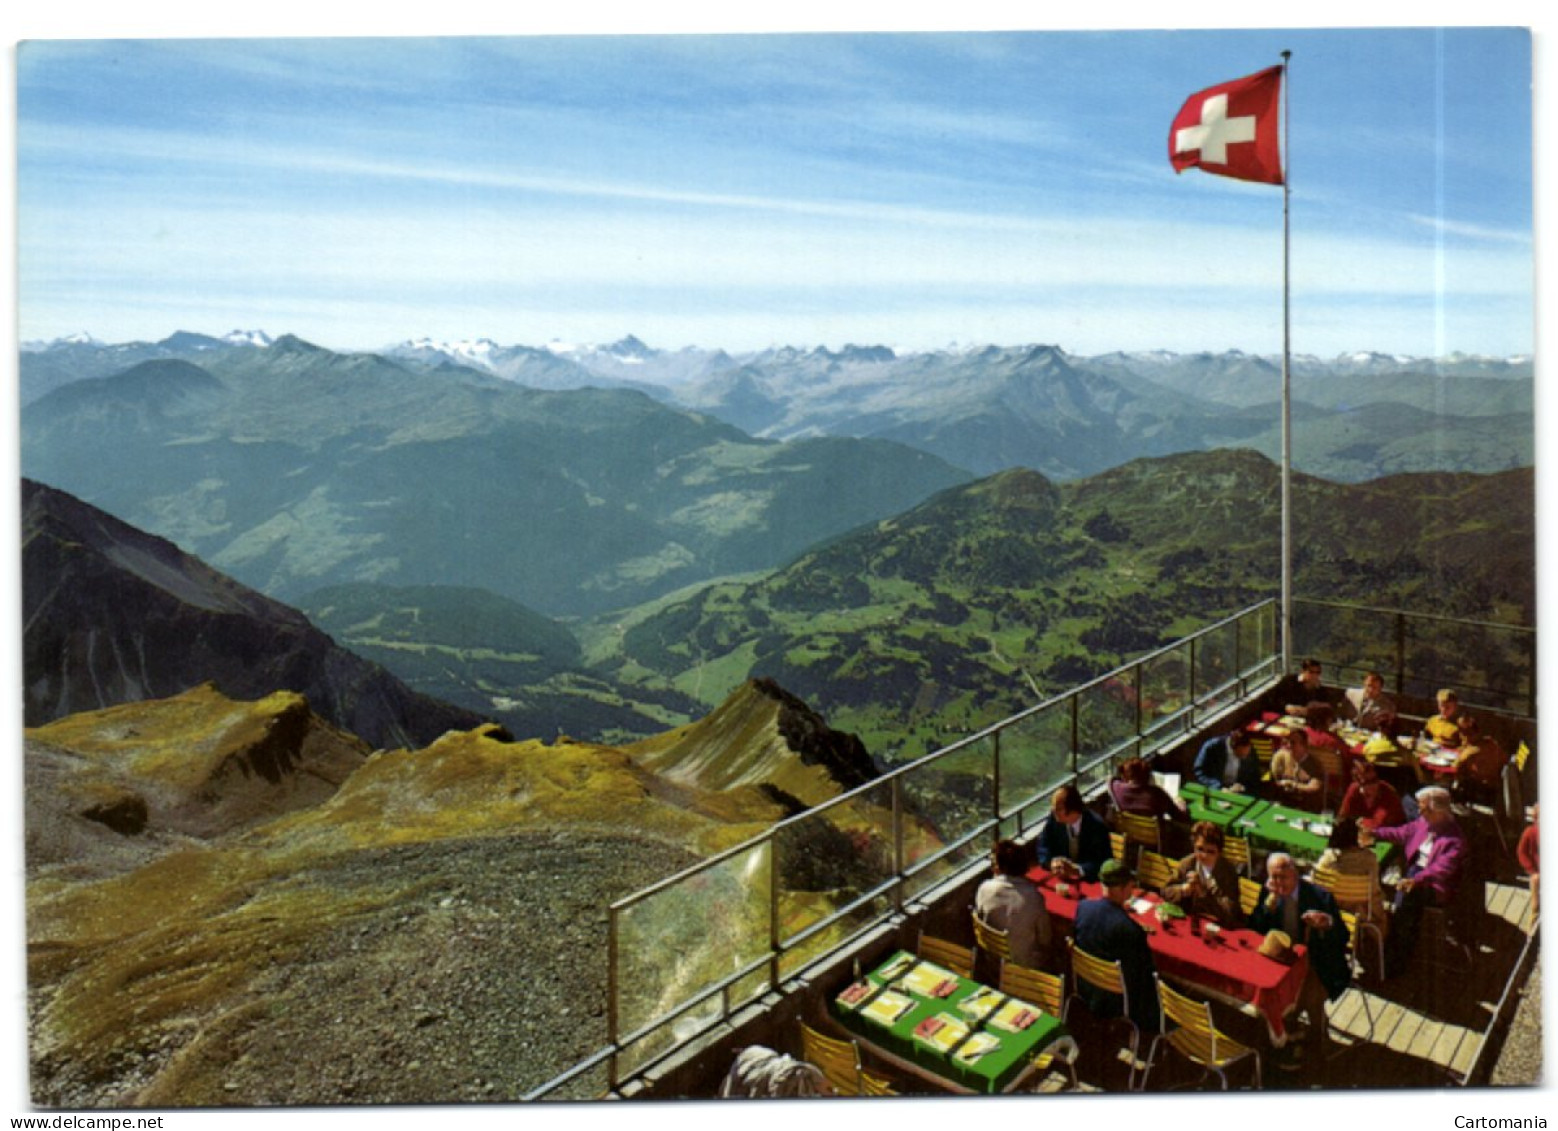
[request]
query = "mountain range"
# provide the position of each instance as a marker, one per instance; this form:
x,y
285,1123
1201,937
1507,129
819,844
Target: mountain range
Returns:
x,y
292,468
1356,416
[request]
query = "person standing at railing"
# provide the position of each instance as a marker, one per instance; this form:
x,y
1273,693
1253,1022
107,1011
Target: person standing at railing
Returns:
x,y
1074,834
1009,901
1228,762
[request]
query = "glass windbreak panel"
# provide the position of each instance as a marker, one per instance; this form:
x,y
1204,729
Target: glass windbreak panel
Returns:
x,y
1487,665
678,942
1106,718
1257,640
665,1038
830,857
839,928
952,799
1165,687
1035,758
1217,667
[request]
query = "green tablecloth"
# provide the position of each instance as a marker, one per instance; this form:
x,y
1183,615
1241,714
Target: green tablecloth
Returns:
x,y
1278,828
1220,806
993,1072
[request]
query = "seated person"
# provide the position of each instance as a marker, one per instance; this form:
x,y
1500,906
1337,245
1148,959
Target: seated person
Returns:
x,y
1228,762
1370,800
1134,792
1318,721
1297,778
1205,883
1294,693
1435,850
1308,914
1105,929
1074,834
1369,707
1527,852
1009,901
1445,727
1347,857
1480,758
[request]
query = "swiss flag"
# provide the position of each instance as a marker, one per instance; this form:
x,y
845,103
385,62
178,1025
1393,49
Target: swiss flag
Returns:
x,y
1231,129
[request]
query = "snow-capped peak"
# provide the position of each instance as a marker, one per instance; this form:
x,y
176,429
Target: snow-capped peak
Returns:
x,y
257,338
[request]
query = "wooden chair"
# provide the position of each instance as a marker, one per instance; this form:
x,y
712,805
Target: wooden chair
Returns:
x,y
1355,890
1350,921
1237,851
1153,870
959,959
1048,992
1117,846
1195,1037
1108,977
1334,768
838,1060
1250,892
875,1086
1263,746
1145,832
993,941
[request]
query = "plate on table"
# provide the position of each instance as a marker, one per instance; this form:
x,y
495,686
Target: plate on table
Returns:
x,y
856,994
980,1004
896,967
976,1047
888,1008
1015,1016
942,1031
929,980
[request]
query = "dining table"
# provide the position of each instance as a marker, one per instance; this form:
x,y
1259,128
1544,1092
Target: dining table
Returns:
x,y
1223,962
1220,806
1273,827
950,1030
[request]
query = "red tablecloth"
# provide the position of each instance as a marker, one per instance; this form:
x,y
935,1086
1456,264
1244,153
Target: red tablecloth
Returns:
x,y
1230,966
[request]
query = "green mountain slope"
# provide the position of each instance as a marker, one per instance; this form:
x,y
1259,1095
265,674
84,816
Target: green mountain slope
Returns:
x,y
971,606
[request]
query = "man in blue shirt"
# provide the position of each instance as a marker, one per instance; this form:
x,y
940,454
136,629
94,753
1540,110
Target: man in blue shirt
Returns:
x,y
1228,762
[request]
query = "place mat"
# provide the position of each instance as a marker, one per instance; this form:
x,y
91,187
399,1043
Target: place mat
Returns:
x,y
888,1008
1015,1016
980,1004
929,980
856,994
943,1032
975,1047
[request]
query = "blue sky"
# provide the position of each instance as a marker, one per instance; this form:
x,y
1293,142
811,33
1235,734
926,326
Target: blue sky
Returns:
x,y
741,191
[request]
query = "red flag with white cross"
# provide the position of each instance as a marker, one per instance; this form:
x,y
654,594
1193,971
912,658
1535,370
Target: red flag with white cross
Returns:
x,y
1232,129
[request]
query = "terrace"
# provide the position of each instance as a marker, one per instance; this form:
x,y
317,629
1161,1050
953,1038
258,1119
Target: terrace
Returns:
x,y
763,936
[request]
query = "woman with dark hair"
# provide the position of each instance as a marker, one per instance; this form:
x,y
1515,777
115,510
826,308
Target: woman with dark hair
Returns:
x,y
1346,856
1134,792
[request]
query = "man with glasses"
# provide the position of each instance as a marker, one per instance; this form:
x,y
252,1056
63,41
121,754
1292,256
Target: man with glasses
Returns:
x,y
1205,883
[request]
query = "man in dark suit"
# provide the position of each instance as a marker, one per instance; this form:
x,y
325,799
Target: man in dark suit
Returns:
x,y
1105,929
1074,832
1307,914
1228,762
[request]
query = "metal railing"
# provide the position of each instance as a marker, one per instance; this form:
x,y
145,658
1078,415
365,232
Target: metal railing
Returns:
x,y
1489,664
688,952
685,954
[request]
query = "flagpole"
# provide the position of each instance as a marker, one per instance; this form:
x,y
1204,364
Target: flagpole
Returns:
x,y
1287,419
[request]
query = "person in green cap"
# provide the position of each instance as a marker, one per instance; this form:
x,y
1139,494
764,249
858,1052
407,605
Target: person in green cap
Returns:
x,y
1105,929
